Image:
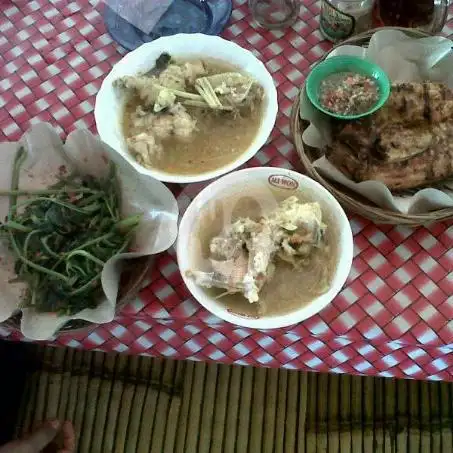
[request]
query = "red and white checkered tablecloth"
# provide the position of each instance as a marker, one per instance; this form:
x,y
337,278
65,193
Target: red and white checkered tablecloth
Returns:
x,y
393,318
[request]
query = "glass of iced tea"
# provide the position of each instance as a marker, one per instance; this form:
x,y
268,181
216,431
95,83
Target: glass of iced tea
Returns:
x,y
428,15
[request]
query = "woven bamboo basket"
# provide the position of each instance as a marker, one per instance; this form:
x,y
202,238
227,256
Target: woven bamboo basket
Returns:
x,y
132,280
349,199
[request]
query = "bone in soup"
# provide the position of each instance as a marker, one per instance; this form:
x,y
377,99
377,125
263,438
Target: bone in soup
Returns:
x,y
190,116
264,259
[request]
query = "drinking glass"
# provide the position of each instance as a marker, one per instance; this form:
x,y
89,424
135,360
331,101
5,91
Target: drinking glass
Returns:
x,y
274,14
427,15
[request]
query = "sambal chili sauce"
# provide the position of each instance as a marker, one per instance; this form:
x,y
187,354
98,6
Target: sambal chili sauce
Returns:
x,y
348,93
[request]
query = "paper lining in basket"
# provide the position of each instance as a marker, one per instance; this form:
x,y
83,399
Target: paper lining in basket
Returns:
x,y
404,59
156,232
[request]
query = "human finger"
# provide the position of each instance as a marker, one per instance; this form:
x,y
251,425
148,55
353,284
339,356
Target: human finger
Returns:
x,y
42,437
68,438
35,442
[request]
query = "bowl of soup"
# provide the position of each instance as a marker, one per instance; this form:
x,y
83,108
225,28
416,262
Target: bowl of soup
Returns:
x,y
264,247
187,108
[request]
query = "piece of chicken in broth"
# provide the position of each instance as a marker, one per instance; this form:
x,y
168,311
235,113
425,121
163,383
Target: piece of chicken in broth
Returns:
x,y
190,116
246,254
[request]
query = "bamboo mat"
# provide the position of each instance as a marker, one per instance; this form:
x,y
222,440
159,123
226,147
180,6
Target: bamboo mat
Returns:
x,y
141,404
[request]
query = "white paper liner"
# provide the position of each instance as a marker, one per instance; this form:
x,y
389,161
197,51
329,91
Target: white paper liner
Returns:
x,y
404,59
156,232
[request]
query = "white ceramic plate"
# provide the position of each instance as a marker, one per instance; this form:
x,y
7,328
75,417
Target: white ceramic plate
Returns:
x,y
259,182
109,105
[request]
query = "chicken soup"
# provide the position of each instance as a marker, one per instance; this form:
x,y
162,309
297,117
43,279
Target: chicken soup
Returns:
x,y
190,116
264,260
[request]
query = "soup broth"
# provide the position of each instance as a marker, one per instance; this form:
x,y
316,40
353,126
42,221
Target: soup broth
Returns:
x,y
290,288
220,137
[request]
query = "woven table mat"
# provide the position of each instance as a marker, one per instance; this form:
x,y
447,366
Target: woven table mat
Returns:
x,y
134,404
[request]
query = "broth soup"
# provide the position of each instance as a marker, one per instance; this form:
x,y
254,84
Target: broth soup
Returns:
x,y
190,116
290,284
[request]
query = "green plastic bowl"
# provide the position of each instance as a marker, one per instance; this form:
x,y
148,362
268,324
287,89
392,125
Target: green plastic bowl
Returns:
x,y
357,65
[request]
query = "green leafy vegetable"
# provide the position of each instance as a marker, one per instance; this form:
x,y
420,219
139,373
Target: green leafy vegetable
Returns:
x,y
62,237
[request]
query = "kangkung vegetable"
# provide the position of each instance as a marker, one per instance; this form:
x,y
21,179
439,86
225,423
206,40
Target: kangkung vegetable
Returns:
x,y
62,236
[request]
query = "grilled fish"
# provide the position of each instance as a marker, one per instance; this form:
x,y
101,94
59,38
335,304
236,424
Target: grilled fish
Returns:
x,y
414,103
432,166
393,143
406,144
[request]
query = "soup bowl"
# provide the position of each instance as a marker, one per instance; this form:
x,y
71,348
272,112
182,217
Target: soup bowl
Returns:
x,y
109,107
266,187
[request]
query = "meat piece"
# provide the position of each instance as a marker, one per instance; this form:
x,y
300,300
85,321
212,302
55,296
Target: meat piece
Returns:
x,y
250,247
183,124
291,214
430,167
151,90
215,280
261,246
438,92
162,126
140,120
231,242
192,70
226,247
145,148
228,274
144,87
233,270
173,77
300,230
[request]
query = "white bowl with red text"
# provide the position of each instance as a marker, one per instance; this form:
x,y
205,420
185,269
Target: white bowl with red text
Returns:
x,y
262,180
109,107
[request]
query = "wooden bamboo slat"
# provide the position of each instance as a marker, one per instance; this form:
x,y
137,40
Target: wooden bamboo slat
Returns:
x,y
270,410
220,409
140,404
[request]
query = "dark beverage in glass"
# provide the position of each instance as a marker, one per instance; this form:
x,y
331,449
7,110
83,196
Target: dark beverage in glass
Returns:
x,y
429,15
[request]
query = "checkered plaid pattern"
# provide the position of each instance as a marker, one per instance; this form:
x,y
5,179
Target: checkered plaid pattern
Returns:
x,y
393,318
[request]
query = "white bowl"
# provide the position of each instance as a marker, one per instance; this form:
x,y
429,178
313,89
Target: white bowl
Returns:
x,y
258,182
109,106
